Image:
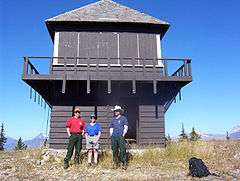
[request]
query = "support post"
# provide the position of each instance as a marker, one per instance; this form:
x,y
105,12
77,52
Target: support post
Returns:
x,y
144,66
180,95
154,77
165,68
189,67
75,66
64,77
109,77
50,65
64,84
25,67
88,77
185,68
134,77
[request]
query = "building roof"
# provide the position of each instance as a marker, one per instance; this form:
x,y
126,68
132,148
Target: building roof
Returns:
x,y
106,11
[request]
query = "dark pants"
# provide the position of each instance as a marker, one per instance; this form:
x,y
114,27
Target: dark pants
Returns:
x,y
118,144
75,140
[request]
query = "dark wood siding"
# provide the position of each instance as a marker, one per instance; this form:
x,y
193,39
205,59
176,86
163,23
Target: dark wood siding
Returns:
x,y
59,115
128,47
147,46
151,125
68,43
107,44
104,115
92,44
150,128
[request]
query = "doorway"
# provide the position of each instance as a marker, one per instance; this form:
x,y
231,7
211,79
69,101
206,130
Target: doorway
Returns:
x,y
131,111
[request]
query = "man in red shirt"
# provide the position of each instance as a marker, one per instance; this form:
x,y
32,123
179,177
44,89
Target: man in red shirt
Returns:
x,y
75,129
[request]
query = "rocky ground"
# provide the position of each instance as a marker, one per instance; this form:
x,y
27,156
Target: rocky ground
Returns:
x,y
222,158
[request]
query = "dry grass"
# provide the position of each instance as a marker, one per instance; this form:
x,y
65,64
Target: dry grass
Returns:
x,y
171,163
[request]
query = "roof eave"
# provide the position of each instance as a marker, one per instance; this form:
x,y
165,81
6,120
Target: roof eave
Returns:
x,y
51,24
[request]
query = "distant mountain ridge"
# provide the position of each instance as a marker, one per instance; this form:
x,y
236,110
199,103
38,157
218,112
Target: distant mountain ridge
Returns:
x,y
38,141
235,133
208,137
35,142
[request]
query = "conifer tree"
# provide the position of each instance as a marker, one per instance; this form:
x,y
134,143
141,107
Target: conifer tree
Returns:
x,y
20,145
169,137
194,136
183,135
227,136
3,139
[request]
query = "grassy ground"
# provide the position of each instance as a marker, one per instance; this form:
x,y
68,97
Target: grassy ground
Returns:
x,y
171,163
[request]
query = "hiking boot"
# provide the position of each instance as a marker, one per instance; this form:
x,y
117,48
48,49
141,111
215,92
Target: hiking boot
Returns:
x,y
89,165
124,166
95,165
76,161
66,165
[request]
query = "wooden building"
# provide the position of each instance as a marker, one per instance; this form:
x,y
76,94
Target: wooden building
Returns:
x,y
106,54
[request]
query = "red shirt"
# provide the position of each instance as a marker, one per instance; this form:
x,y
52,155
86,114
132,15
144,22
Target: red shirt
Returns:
x,y
76,125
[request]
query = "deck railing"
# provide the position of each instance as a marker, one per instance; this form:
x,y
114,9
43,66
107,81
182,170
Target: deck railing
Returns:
x,y
181,68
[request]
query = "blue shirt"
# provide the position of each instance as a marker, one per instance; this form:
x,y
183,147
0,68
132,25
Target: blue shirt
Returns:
x,y
93,130
118,125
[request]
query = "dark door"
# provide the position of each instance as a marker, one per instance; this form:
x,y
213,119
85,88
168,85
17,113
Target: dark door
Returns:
x,y
131,111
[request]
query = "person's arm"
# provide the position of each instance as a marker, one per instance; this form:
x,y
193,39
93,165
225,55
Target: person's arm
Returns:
x,y
68,131
125,130
98,136
125,127
84,127
99,131
111,131
68,124
86,132
111,128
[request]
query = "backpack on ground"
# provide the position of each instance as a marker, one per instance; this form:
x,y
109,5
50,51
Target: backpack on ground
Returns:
x,y
197,168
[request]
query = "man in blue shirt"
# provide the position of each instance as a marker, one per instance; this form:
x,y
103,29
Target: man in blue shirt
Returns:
x,y
118,129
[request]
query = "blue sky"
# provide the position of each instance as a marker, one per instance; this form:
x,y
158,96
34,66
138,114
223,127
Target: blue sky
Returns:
x,y
206,31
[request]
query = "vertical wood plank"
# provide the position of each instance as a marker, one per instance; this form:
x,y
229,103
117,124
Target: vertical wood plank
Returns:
x,y
137,131
41,101
180,95
185,68
144,66
50,65
38,99
35,96
75,66
121,63
109,77
189,68
64,84
30,92
165,68
64,76
25,67
154,86
134,76
154,77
